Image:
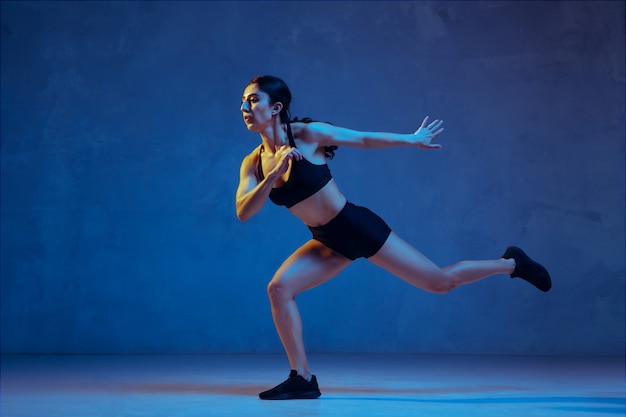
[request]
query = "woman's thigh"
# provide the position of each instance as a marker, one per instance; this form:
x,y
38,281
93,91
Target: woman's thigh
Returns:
x,y
403,260
309,266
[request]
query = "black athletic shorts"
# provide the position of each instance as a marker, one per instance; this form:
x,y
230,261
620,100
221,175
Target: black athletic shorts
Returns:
x,y
356,232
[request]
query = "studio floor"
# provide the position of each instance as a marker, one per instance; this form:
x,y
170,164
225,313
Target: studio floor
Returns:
x,y
351,385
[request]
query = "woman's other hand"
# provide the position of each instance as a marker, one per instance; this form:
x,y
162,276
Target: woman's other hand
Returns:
x,y
425,135
284,154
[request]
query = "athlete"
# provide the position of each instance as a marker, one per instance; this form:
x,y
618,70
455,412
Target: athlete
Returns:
x,y
290,168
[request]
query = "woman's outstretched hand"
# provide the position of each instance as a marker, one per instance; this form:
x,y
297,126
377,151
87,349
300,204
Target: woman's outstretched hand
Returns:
x,y
425,135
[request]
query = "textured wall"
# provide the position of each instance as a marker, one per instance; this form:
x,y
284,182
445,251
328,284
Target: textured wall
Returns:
x,y
121,144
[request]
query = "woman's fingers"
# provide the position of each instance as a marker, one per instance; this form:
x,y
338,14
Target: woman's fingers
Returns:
x,y
435,124
291,153
437,133
296,154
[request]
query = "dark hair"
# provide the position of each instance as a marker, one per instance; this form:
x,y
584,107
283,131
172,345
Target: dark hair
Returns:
x,y
279,92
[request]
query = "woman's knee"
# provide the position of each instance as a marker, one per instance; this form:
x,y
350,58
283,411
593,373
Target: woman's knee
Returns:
x,y
443,283
277,291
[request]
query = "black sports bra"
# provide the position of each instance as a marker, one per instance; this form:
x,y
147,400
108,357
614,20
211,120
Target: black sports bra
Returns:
x,y
305,179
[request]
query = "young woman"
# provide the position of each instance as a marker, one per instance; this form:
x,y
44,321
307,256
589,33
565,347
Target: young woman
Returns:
x,y
289,167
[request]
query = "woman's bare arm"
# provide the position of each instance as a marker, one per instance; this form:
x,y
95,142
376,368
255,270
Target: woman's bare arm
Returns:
x,y
252,193
326,135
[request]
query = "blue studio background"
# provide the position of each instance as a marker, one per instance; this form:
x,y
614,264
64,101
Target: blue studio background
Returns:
x,y
122,139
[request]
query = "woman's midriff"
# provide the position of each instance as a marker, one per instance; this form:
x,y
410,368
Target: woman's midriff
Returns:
x,y
321,207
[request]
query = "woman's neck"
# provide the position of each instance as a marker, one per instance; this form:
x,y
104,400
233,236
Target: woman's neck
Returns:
x,y
274,136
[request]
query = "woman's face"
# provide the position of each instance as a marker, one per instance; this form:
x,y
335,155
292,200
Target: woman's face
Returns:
x,y
256,108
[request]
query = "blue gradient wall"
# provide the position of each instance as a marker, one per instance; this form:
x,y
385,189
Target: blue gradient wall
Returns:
x,y
122,139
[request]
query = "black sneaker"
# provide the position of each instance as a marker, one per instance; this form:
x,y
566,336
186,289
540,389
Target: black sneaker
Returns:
x,y
528,269
294,388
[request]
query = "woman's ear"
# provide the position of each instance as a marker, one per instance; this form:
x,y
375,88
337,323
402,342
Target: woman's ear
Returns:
x,y
278,106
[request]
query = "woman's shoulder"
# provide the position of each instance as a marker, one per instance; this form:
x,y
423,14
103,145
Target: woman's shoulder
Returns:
x,y
302,127
312,132
302,131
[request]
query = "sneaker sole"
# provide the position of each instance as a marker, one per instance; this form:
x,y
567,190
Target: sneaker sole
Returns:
x,y
300,395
